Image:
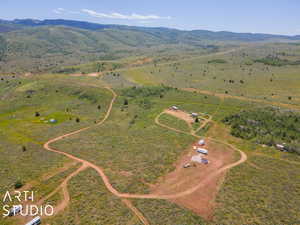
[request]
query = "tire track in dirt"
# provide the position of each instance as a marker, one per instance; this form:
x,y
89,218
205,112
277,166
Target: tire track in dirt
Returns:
x,y
286,105
85,165
136,211
105,179
63,186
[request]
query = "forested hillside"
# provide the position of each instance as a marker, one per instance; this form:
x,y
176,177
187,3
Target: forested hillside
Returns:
x,y
269,126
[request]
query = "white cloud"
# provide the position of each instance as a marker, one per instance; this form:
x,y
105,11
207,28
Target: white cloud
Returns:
x,y
58,11
116,15
64,11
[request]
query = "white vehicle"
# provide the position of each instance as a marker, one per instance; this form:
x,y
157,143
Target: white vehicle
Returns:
x,y
35,221
187,165
174,107
202,151
201,142
194,115
15,210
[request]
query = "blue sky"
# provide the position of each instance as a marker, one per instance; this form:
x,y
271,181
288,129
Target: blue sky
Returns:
x,y
262,16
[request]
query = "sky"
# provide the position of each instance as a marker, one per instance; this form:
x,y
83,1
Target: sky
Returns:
x,y
256,16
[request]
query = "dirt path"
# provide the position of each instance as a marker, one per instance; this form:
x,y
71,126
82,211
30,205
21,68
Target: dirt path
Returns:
x,y
162,64
63,186
209,176
105,179
136,211
85,165
242,98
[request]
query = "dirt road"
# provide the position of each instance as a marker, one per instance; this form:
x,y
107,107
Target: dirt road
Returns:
x,y
242,98
87,164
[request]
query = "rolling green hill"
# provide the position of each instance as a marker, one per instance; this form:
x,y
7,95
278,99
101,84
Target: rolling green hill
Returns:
x,y
40,46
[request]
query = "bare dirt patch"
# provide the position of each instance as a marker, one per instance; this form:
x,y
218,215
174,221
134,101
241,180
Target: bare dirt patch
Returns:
x,y
181,179
87,74
142,61
181,115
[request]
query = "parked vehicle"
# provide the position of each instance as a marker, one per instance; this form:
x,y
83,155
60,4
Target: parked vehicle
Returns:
x,y
205,161
201,142
174,108
35,221
16,209
187,165
202,151
194,115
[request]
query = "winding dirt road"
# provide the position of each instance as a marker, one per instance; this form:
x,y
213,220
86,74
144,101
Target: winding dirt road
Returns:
x,y
126,196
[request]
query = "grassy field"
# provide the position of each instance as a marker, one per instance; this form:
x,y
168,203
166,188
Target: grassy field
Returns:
x,y
91,203
135,152
19,126
174,122
239,75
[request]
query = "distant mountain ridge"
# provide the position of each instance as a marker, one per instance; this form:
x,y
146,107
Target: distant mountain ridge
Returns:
x,y
44,45
7,26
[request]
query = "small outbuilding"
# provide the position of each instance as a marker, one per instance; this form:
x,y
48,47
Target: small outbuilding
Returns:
x,y
197,158
53,121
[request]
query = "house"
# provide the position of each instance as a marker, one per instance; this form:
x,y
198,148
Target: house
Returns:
x,y
202,151
35,221
201,142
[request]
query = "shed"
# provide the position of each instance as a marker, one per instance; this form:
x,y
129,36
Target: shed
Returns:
x,y
53,121
197,158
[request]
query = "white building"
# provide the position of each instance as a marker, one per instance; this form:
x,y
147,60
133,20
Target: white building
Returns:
x,y
197,158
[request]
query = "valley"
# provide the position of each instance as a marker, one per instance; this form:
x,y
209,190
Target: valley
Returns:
x,y
111,141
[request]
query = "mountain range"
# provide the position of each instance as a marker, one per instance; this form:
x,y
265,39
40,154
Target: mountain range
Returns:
x,y
43,45
6,26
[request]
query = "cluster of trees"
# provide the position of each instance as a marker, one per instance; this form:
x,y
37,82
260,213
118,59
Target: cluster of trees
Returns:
x,y
145,91
217,61
276,61
269,126
3,48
